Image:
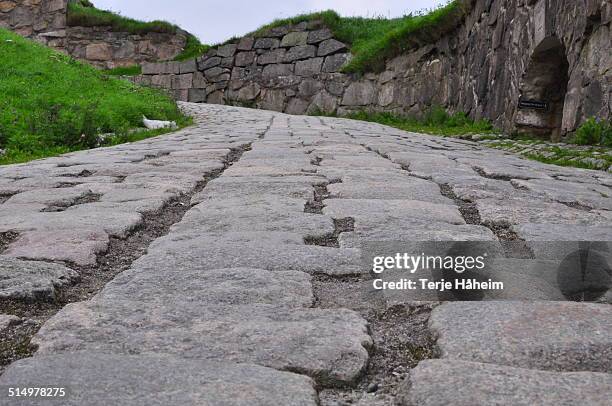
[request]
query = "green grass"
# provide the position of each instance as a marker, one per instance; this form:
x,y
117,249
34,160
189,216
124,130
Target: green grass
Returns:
x,y
124,71
80,15
594,132
193,49
51,104
568,155
436,122
375,40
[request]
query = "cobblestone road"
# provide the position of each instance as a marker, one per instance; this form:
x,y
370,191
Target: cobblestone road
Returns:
x,y
236,249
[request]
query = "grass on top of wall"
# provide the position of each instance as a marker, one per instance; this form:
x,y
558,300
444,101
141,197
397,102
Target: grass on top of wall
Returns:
x,y
375,40
193,49
51,104
81,15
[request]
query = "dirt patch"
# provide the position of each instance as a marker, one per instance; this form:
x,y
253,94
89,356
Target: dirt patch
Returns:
x,y
87,198
315,206
15,342
496,177
6,239
400,334
331,240
5,197
83,174
577,206
468,210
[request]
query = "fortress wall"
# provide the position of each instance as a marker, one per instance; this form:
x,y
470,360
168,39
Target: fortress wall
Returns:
x,y
104,48
45,21
541,66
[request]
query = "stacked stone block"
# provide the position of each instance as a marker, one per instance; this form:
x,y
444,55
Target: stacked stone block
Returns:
x,y
107,49
293,68
43,20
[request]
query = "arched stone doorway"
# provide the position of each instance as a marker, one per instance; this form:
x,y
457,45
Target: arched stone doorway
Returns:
x,y
542,91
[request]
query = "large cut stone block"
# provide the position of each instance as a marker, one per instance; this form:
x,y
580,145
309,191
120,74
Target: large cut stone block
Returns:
x,y
29,280
237,286
329,345
563,336
309,67
294,38
460,383
96,379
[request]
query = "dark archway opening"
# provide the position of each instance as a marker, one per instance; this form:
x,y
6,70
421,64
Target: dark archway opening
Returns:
x,y
542,91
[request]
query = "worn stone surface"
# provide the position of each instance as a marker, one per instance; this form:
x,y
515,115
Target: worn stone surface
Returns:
x,y
96,379
238,278
441,382
238,286
332,344
30,281
557,336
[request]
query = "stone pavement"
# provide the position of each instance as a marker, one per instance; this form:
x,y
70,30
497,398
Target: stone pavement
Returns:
x,y
226,307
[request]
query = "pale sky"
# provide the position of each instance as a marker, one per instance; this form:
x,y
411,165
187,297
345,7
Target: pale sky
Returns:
x,y
214,21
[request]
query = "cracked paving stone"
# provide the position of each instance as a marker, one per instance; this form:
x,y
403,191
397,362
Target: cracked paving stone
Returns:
x,y
563,232
255,213
49,197
521,211
369,209
95,379
414,189
112,222
391,232
75,246
590,195
215,253
238,286
461,383
30,281
219,190
557,336
328,345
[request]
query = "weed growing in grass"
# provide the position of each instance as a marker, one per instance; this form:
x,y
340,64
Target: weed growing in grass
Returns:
x,y
51,104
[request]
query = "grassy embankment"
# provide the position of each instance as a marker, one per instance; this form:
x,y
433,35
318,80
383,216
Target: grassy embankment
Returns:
x,y
51,104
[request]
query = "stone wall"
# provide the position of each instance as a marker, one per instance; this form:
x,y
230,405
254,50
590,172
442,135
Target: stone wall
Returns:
x,y
287,69
553,56
104,48
43,20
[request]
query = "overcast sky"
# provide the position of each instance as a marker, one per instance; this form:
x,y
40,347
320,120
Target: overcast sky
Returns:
x,y
216,20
